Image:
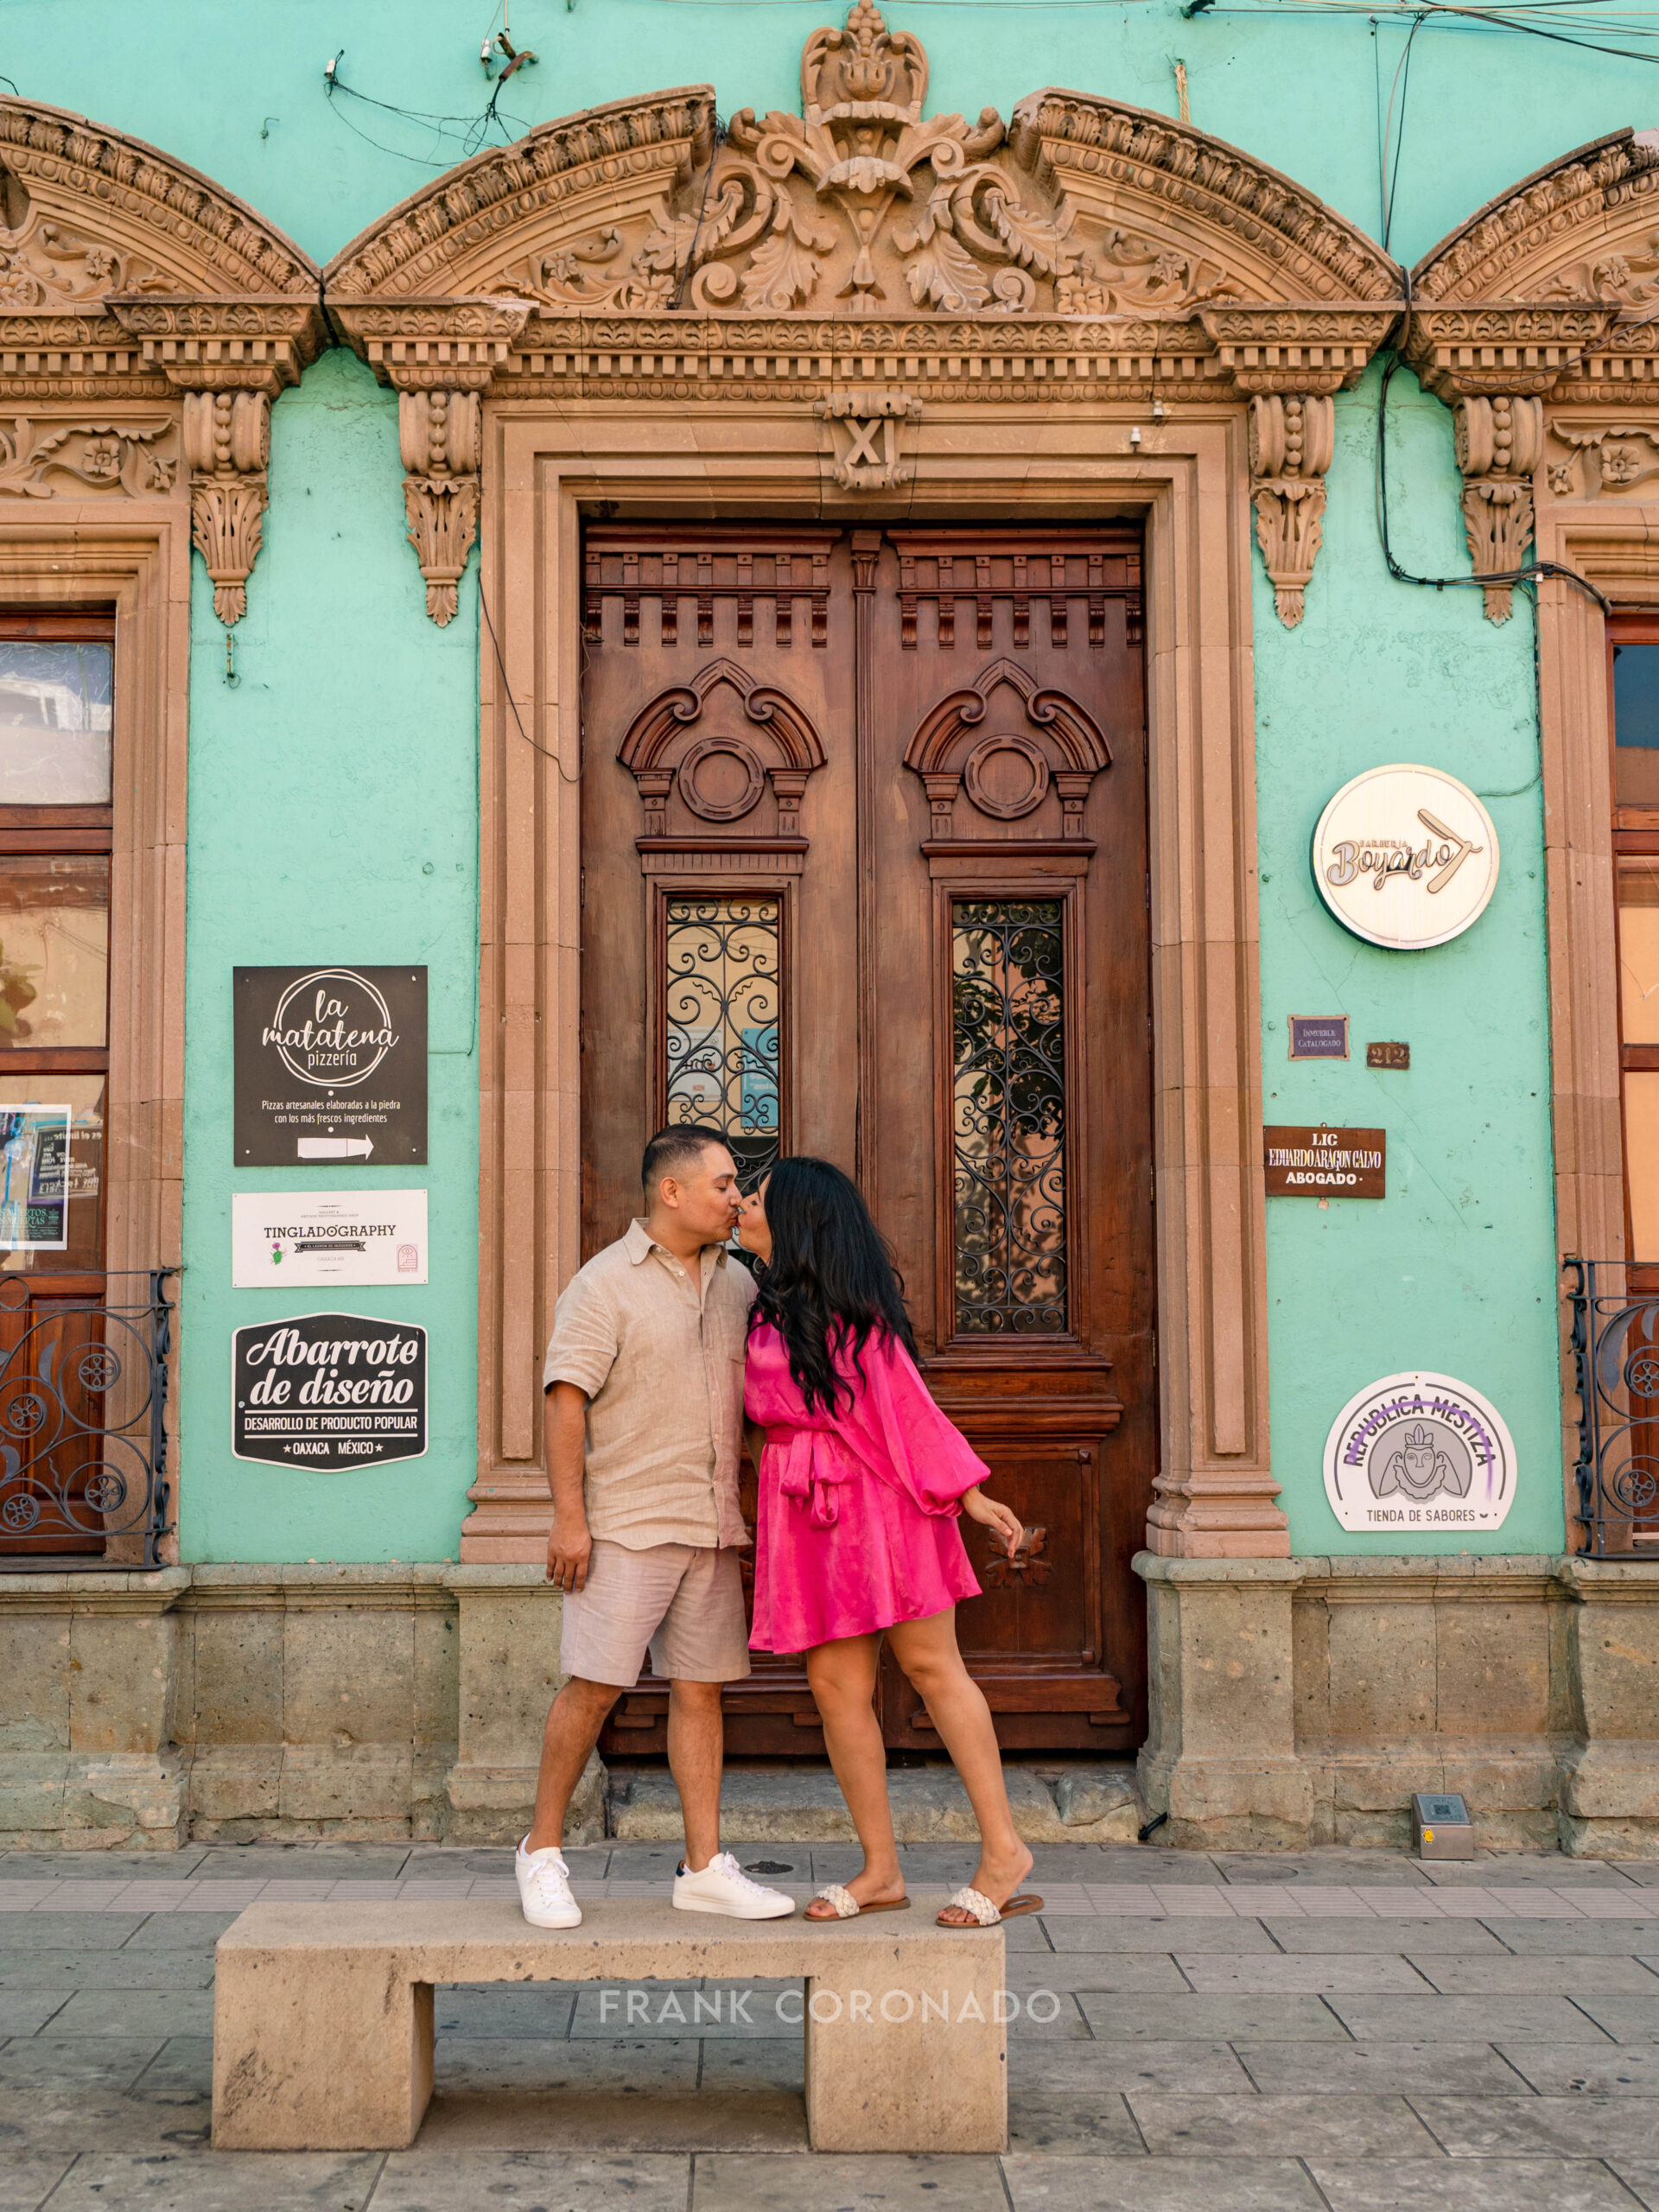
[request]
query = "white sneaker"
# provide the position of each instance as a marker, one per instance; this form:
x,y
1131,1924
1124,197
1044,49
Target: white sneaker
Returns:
x,y
723,1886
544,1888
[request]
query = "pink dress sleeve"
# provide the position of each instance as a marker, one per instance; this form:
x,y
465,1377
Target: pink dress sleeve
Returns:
x,y
895,1427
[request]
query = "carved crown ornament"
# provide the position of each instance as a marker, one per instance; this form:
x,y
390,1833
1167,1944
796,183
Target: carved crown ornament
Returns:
x,y
147,320
1007,746
864,259
1537,321
707,750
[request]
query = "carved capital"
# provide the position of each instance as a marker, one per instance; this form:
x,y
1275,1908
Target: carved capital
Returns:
x,y
1296,350
1499,443
1293,436
865,428
228,449
441,433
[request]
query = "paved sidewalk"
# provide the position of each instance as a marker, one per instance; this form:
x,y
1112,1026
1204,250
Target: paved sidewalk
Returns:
x,y
1235,2032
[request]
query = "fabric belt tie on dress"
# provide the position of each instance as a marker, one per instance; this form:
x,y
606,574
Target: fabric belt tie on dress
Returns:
x,y
810,1468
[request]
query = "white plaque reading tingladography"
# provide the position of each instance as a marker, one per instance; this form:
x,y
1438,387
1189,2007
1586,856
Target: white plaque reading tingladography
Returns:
x,y
1406,857
1419,1452
310,1238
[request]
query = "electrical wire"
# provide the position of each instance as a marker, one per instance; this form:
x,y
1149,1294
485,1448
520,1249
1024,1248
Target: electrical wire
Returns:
x,y
468,140
1402,80
546,751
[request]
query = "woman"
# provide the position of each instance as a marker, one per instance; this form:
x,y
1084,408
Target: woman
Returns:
x,y
861,1481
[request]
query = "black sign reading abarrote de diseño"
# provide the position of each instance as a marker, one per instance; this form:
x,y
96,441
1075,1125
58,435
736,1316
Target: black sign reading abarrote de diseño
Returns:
x,y
330,1067
329,1390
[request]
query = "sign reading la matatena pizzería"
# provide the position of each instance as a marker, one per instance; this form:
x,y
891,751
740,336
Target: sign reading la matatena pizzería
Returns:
x,y
330,1067
1406,857
1419,1452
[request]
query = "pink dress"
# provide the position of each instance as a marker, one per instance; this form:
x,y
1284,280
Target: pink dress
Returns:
x,y
856,1527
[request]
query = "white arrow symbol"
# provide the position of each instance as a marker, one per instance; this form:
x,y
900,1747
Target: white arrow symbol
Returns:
x,y
335,1148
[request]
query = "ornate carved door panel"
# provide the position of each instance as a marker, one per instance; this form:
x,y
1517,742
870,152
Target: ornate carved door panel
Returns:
x,y
865,873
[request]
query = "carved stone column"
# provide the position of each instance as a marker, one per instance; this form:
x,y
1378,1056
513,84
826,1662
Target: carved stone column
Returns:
x,y
1293,436
1499,440
228,448
441,435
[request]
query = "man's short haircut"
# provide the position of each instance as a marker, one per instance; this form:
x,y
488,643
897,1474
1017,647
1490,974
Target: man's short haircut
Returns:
x,y
673,1151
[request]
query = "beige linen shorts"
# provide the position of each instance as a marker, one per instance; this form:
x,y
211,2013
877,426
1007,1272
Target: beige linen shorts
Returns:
x,y
683,1602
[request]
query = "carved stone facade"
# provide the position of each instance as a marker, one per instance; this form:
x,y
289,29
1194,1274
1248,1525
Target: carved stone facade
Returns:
x,y
869,262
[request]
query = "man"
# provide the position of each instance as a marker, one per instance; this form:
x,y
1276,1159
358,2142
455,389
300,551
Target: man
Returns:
x,y
643,1403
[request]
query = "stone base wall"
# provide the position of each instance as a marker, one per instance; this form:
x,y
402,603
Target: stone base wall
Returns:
x,y
1295,1701
1302,1701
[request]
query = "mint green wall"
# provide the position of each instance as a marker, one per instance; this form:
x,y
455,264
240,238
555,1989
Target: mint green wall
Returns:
x,y
333,816
342,765
1453,1271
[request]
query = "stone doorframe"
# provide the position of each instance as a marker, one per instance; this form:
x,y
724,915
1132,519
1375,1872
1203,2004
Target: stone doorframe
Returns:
x,y
1537,321
864,312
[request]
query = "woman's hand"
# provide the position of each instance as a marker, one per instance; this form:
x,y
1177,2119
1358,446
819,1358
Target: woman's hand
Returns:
x,y
1009,1528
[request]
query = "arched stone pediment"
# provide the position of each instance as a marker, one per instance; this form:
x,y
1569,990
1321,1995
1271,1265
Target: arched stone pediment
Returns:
x,y
867,259
127,277
1538,321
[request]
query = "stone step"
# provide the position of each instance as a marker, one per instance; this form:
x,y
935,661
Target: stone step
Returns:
x,y
801,1803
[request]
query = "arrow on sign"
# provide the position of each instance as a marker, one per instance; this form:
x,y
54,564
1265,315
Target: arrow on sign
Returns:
x,y
335,1148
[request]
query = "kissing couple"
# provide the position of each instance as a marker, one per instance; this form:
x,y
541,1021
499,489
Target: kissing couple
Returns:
x,y
661,1345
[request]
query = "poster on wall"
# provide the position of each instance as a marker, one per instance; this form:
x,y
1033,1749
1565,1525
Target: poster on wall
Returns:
x,y
34,1178
311,1237
330,1067
1406,857
1417,1452
330,1391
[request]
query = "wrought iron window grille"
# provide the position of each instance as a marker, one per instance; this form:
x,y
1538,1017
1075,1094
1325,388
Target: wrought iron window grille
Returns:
x,y
83,1425
1615,1343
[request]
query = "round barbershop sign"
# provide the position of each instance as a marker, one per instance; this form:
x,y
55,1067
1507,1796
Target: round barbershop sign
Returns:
x,y
1406,857
1418,1452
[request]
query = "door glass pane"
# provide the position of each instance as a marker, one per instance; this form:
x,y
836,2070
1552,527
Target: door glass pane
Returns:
x,y
32,1177
54,953
1638,950
1007,970
722,995
1636,725
55,723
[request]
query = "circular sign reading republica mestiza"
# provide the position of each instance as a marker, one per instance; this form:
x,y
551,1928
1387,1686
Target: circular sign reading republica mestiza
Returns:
x,y
1419,1452
1406,857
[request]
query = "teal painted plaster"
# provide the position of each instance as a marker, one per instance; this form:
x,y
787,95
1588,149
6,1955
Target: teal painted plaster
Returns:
x,y
1455,1271
333,816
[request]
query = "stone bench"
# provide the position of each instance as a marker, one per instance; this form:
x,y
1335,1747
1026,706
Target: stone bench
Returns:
x,y
322,2013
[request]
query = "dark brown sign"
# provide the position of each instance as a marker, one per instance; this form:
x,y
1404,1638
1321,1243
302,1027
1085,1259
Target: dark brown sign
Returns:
x,y
1319,1036
330,1067
1387,1056
1325,1163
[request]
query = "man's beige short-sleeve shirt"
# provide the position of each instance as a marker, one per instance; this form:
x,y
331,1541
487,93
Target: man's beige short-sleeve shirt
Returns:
x,y
660,1358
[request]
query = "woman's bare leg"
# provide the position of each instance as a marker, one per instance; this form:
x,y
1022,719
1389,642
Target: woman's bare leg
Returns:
x,y
927,1651
842,1675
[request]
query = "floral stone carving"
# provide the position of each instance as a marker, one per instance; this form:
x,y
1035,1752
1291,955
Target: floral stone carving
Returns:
x,y
227,444
107,456
1293,436
1499,442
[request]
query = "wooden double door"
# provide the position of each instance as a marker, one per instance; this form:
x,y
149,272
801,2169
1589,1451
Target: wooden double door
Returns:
x,y
865,875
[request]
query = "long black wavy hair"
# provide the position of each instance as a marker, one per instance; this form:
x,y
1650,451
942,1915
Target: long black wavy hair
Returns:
x,y
830,1275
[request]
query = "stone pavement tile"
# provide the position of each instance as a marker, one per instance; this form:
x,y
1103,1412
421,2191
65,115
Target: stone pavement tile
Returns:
x,y
1358,1972
1066,2025
309,1862
1029,1934
1207,2069
591,2096
547,2180
1641,2177
549,2064
32,2063
828,1862
1045,2183
185,1931
1509,1870
1281,2127
828,2184
1145,1862
66,1931
1556,2127
1218,2019
101,1865
1340,2070
1420,1937
68,1970
180,2072
738,2061
1338,1864
1237,1937
493,2008
647,1862
201,2180
137,2012
1566,2069
26,2011
1473,2184
1466,2019
1044,2119
1587,1939
1541,1975
28,2178
1135,1972
1627,2019
673,2009
81,2118
1644,1872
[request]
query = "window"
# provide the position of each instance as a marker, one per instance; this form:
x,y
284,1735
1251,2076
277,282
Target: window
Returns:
x,y
1634,646
720,995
